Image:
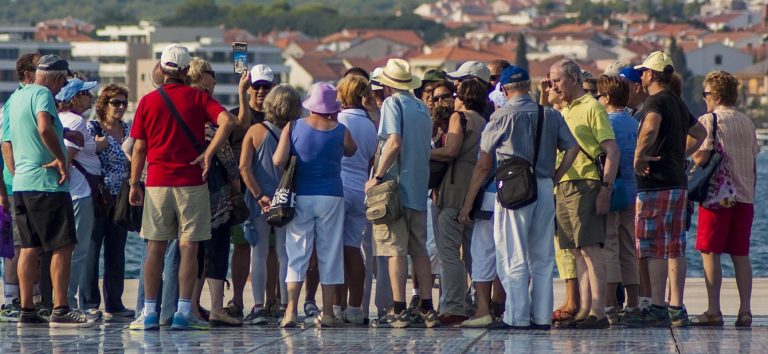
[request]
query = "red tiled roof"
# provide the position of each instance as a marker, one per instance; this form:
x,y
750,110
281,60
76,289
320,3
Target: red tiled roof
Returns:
x,y
538,69
241,35
721,18
720,37
457,54
60,35
365,63
406,37
318,68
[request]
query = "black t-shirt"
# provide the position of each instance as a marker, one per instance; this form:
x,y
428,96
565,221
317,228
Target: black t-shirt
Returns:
x,y
669,172
238,133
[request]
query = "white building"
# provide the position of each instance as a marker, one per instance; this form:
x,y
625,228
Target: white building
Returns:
x,y
703,58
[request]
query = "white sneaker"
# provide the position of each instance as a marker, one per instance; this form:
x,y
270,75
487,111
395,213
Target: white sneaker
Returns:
x,y
354,317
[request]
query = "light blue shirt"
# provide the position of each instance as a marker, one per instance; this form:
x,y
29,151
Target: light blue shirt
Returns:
x,y
625,128
354,169
416,141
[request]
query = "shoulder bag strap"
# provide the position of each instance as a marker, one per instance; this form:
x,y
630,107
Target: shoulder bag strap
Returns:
x,y
188,132
80,168
714,129
537,147
270,131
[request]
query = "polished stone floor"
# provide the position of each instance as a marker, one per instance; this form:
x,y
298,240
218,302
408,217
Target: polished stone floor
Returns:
x,y
116,338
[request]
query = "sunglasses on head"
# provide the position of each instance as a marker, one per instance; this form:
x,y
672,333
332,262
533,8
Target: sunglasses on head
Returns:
x,y
211,72
258,86
118,103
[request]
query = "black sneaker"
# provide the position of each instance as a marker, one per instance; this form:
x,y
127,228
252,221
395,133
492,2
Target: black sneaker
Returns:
x,y
70,319
393,320
414,305
30,319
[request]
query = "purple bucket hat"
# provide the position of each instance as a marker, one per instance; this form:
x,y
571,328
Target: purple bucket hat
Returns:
x,y
322,99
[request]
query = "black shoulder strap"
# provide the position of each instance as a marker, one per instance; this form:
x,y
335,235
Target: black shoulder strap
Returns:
x,y
80,168
539,127
270,131
188,132
714,129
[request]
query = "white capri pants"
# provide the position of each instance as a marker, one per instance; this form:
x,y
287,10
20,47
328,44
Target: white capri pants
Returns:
x,y
259,254
318,222
483,251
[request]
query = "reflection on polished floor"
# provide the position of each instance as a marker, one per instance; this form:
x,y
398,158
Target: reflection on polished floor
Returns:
x,y
116,338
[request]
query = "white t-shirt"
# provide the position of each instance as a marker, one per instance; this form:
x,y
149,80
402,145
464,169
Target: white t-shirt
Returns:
x,y
354,169
78,186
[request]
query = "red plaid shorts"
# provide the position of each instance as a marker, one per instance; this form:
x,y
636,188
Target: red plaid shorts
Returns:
x,y
660,220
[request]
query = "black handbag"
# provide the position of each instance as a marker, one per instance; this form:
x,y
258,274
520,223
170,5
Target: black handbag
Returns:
x,y
125,215
438,169
516,177
283,206
699,176
102,198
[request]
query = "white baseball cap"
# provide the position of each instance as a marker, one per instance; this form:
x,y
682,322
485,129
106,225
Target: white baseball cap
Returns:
x,y
375,75
261,72
471,69
175,57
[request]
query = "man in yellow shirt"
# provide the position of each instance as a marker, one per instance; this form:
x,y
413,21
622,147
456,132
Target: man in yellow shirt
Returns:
x,y
583,195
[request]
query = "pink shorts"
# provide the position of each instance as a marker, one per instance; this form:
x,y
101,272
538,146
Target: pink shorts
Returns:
x,y
725,230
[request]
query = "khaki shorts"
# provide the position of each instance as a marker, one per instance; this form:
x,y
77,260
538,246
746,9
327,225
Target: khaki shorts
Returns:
x,y
577,223
406,236
176,212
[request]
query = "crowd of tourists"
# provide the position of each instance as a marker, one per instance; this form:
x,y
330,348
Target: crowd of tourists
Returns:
x,y
335,189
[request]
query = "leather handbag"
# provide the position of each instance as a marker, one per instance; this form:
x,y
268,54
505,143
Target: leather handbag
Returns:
x,y
699,177
103,202
382,201
126,215
283,206
516,177
438,169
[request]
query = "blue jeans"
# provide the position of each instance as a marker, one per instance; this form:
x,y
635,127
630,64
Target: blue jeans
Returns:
x,y
113,238
84,220
169,285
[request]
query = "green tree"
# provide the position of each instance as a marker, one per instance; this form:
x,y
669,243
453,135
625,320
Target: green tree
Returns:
x,y
521,57
196,13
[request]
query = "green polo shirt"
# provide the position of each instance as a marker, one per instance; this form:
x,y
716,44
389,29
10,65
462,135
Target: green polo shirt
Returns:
x,y
589,124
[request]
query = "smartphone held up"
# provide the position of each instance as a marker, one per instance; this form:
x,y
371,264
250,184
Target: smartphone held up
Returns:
x,y
240,57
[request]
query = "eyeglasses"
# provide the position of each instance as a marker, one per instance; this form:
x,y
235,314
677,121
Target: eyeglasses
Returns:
x,y
705,94
444,96
597,97
118,103
85,93
211,72
257,87
494,77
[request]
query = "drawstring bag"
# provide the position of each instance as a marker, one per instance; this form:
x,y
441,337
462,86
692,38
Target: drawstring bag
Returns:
x,y
283,205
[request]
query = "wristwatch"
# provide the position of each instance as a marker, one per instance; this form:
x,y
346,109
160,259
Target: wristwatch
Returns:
x,y
608,185
378,178
134,183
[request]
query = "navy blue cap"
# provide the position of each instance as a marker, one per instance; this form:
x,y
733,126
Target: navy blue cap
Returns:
x,y
52,62
631,74
513,74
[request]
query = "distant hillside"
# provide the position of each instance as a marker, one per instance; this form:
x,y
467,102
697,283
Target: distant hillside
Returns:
x,y
128,11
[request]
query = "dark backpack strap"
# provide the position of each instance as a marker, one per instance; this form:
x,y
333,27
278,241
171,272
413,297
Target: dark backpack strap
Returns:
x,y
539,127
188,132
80,168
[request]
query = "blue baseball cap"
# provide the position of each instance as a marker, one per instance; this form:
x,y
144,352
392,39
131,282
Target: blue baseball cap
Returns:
x,y
72,87
633,75
513,74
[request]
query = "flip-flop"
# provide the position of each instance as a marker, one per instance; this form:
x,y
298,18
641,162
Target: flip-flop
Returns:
x,y
565,315
556,314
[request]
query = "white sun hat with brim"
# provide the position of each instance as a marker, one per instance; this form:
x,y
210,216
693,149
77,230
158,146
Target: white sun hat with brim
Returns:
x,y
397,75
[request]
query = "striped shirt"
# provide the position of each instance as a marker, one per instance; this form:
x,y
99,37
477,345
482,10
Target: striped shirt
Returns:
x,y
737,134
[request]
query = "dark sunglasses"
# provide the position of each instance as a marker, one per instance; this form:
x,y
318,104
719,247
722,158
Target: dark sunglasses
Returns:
x,y
597,97
257,87
211,72
444,96
118,103
85,93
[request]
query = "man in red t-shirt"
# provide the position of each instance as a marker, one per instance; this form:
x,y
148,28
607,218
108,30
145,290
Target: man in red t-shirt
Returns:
x,y
176,203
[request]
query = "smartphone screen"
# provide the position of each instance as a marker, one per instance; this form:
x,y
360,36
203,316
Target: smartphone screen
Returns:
x,y
240,57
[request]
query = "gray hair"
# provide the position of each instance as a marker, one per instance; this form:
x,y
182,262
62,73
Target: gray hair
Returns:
x,y
51,74
568,67
518,86
282,105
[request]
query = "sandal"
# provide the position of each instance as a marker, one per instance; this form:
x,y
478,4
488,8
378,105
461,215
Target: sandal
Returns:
x,y
556,314
707,320
744,319
564,316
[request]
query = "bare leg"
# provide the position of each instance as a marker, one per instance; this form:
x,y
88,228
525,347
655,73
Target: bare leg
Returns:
x,y
196,293
483,294
743,268
610,295
498,295
313,278
659,268
355,272
677,269
572,295
398,271
632,295
187,268
329,292
294,290
593,256
645,278
424,273
27,274
583,284
216,288
713,278
241,261
272,286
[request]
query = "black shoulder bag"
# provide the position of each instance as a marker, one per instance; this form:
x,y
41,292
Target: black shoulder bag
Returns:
x,y
103,202
699,176
516,177
283,205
